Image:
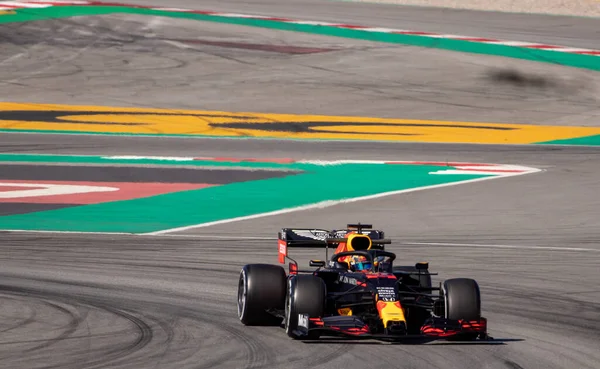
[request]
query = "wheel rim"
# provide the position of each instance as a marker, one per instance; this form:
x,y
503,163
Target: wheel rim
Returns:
x,y
288,309
242,294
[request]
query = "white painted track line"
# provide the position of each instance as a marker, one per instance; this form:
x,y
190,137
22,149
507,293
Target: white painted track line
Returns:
x,y
326,204
494,246
274,239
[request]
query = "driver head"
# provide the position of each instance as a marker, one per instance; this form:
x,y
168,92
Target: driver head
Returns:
x,y
360,263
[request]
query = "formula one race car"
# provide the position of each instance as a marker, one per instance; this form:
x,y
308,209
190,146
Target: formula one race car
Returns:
x,y
358,292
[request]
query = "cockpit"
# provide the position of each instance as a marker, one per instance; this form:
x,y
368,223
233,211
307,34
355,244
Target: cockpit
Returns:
x,y
366,261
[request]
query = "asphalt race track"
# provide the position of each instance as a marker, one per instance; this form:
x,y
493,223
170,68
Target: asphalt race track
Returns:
x,y
117,301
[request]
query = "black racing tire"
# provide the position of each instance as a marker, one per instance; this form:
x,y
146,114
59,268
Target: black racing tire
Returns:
x,y
462,300
261,287
306,294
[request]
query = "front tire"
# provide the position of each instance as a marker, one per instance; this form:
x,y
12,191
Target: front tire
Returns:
x,y
462,301
260,287
305,295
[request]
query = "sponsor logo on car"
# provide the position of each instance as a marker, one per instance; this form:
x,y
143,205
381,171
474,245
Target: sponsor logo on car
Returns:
x,y
303,321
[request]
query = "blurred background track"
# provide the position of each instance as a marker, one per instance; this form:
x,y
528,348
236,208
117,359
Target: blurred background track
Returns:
x,y
95,301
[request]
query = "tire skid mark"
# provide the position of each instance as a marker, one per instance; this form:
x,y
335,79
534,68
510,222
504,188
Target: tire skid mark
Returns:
x,y
257,354
145,335
191,319
564,311
576,312
74,322
18,324
55,302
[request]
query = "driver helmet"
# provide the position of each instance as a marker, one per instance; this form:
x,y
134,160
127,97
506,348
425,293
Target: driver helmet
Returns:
x,y
359,263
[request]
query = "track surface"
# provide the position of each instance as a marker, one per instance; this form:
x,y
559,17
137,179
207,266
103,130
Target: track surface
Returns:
x,y
81,301
131,60
571,31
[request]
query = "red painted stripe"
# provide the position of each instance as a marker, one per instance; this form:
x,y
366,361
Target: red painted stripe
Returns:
x,y
46,3
114,4
476,39
492,170
17,188
350,26
252,160
205,12
414,33
442,163
544,47
587,52
127,191
278,19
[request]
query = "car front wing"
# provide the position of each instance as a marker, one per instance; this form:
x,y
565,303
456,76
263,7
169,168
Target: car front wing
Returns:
x,y
351,326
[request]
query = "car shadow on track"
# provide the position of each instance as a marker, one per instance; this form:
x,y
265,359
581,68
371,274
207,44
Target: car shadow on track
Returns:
x,y
337,340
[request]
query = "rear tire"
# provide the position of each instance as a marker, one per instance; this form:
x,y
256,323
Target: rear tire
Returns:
x,y
260,287
305,295
462,300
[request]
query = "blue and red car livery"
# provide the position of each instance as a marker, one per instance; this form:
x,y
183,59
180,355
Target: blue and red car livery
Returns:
x,y
357,292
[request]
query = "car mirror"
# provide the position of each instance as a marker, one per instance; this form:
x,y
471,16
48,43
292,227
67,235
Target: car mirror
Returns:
x,y
422,266
317,263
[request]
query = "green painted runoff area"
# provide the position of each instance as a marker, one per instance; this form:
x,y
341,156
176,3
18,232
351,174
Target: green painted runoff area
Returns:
x,y
315,184
574,60
582,141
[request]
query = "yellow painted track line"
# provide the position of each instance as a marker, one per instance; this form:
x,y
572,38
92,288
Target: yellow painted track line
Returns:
x,y
48,117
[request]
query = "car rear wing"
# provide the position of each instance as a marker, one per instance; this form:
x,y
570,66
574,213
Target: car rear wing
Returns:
x,y
318,238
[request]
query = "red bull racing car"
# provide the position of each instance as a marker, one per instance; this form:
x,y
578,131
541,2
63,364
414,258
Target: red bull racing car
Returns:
x,y
358,292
